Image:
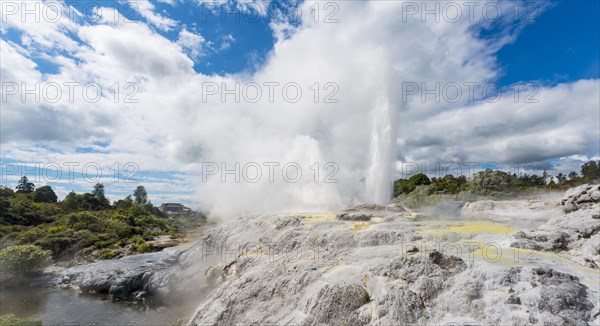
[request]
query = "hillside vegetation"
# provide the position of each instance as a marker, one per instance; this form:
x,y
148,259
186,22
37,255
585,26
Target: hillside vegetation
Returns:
x,y
420,190
85,226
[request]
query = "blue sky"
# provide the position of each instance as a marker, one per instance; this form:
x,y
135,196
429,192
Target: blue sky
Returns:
x,y
562,45
171,47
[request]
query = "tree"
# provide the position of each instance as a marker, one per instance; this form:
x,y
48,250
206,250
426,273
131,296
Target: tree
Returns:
x,y
70,201
6,192
140,195
24,186
86,201
590,171
489,180
419,179
44,194
403,186
123,203
573,175
98,192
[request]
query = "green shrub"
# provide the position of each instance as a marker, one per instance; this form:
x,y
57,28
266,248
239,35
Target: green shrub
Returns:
x,y
137,210
140,245
129,219
24,259
86,251
105,244
120,228
142,248
108,254
57,229
136,240
83,220
12,320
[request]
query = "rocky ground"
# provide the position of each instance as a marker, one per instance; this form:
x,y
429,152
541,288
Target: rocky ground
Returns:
x,y
521,262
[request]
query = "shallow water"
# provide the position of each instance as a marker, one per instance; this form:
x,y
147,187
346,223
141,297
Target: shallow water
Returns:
x,y
70,308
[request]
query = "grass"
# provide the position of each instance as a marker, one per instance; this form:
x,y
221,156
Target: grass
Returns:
x,y
12,320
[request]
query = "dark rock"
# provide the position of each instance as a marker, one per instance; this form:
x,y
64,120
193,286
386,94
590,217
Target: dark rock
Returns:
x,y
513,299
525,244
354,217
447,262
366,207
521,235
512,277
590,263
560,241
412,249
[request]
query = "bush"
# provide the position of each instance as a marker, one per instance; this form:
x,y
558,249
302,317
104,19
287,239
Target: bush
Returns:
x,y
142,247
12,320
25,259
108,254
83,220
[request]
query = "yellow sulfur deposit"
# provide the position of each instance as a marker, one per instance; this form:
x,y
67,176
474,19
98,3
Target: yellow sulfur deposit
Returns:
x,y
360,226
310,220
467,227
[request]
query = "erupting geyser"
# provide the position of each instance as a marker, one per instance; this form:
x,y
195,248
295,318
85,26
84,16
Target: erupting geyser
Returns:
x,y
378,186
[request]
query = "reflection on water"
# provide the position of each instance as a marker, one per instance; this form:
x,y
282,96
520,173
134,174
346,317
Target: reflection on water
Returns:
x,y
68,307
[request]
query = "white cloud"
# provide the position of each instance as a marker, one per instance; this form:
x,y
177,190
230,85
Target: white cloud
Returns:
x,y
147,10
169,2
226,42
563,122
192,43
368,55
45,25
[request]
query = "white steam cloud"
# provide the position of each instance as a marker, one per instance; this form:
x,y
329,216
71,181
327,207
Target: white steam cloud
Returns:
x,y
361,62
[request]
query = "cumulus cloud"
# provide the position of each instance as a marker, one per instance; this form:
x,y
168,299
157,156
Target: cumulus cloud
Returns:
x,y
333,102
560,121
